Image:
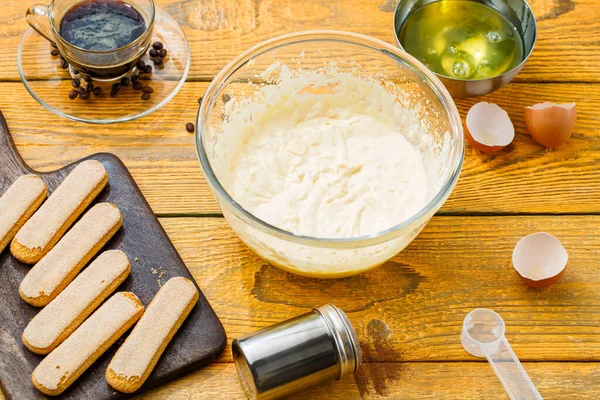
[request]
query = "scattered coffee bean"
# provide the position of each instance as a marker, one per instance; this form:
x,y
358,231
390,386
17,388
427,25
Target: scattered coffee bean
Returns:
x,y
146,96
64,64
75,82
189,127
134,78
163,53
87,79
89,87
80,89
157,45
84,95
116,86
147,89
148,69
55,52
199,100
138,86
141,64
125,81
157,60
226,97
97,91
113,93
153,53
73,94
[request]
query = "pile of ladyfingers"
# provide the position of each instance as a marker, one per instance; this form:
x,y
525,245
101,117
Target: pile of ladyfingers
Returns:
x,y
76,325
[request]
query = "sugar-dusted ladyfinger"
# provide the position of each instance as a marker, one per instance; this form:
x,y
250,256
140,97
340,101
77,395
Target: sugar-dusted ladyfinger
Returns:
x,y
94,336
137,357
55,322
62,264
50,222
18,203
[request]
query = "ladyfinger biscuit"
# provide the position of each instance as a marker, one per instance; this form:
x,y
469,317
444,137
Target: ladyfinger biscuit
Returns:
x,y
94,336
55,322
45,228
61,265
18,203
137,357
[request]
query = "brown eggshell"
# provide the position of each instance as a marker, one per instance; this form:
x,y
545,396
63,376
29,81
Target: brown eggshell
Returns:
x,y
551,125
488,128
540,259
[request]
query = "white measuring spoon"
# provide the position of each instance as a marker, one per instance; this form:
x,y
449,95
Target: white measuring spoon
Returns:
x,y
483,336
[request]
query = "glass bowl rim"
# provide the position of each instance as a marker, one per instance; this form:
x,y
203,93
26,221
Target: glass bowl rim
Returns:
x,y
400,55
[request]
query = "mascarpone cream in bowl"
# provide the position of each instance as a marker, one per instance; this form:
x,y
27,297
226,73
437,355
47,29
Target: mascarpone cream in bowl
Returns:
x,y
328,151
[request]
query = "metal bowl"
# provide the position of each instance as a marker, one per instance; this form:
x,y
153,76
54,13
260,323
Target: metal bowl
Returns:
x,y
517,12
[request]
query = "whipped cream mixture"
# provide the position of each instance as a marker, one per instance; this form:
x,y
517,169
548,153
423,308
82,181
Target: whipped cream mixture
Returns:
x,y
324,160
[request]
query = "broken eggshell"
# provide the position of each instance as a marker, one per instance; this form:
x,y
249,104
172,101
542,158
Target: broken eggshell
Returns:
x,y
540,259
551,125
488,127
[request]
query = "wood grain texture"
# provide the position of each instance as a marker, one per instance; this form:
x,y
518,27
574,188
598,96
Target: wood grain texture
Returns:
x,y
161,155
153,261
412,308
220,30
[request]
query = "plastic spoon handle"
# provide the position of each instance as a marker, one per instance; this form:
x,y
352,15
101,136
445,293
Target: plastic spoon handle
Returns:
x,y
509,370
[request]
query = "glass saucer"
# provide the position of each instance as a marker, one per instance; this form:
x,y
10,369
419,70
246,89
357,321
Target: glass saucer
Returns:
x,y
50,84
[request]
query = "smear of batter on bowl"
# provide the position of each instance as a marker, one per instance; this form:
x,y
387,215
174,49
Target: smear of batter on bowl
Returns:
x,y
327,155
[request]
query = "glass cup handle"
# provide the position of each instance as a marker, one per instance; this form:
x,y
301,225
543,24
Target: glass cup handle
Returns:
x,y
34,15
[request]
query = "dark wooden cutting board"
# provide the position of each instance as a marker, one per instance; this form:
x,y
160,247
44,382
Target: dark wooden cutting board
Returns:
x,y
201,338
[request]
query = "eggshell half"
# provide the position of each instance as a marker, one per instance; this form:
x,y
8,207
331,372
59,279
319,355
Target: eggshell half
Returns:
x,y
540,259
550,124
488,127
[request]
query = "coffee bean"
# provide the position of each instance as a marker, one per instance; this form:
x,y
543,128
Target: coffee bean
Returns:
x,y
55,52
84,95
73,94
89,87
153,53
80,89
76,72
141,64
75,82
157,60
199,100
146,96
87,79
189,127
125,81
148,69
134,78
116,86
225,97
97,91
147,89
157,45
138,86
113,93
64,64
163,53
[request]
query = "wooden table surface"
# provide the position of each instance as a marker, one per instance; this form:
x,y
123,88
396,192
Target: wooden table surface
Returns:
x,y
407,313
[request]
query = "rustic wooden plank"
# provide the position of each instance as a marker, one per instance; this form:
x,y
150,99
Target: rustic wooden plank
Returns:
x,y
401,381
566,49
523,178
464,380
412,308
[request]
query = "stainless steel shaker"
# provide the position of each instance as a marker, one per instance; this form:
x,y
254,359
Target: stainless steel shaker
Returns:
x,y
298,353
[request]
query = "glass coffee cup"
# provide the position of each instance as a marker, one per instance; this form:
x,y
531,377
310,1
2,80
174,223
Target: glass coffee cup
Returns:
x,y
93,53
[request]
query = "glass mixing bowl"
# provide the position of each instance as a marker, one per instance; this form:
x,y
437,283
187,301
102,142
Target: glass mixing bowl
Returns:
x,y
349,53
